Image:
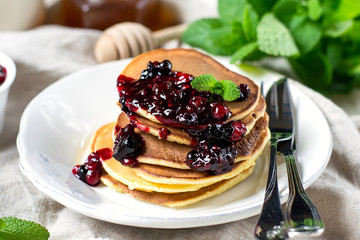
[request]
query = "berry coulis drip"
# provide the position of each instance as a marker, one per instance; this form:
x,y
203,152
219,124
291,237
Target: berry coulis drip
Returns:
x,y
163,132
127,146
90,172
2,74
137,124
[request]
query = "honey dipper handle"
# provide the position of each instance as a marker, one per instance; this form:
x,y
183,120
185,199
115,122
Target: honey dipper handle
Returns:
x,y
166,34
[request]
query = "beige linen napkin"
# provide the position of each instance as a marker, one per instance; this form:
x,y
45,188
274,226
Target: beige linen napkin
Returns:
x,y
45,54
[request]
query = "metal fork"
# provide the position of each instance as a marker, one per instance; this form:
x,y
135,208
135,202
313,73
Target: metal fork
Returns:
x,y
270,223
301,216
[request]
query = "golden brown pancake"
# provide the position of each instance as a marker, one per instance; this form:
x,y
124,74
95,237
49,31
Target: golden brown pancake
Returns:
x,y
170,154
162,179
160,174
195,63
180,136
178,199
127,176
103,139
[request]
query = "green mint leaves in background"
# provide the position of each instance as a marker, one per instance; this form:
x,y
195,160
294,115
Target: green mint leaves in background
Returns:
x,y
274,38
15,229
319,38
225,88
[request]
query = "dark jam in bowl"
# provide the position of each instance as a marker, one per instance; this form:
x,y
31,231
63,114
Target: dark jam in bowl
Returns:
x,y
2,74
169,97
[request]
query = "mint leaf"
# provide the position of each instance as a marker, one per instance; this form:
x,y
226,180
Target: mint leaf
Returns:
x,y
333,53
250,21
225,88
314,10
354,32
231,91
218,88
296,20
339,28
351,65
313,69
231,10
244,52
355,70
214,36
262,6
307,35
14,229
284,10
342,10
204,82
274,38
2,224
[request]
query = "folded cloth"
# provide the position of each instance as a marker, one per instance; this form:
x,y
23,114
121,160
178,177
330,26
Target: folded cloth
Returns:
x,y
45,54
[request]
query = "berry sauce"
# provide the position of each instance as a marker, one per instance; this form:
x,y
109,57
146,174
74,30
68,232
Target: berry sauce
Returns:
x,y
90,172
2,74
127,146
163,132
137,124
215,150
170,98
244,92
212,158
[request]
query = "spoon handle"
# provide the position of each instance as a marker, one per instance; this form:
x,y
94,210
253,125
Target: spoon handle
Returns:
x,y
166,34
301,216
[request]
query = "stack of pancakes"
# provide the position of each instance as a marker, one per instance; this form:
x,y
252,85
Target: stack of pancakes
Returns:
x,y
162,175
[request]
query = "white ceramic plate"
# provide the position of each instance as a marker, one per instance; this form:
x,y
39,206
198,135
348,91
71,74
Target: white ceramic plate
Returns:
x,y
56,127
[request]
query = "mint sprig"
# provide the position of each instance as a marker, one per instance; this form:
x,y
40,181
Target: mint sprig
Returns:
x,y
321,32
12,228
225,88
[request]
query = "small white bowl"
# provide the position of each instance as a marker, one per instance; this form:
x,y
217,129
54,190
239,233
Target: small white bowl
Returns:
x,y
8,63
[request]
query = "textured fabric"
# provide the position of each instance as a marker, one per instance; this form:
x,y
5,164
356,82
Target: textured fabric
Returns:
x,y
45,54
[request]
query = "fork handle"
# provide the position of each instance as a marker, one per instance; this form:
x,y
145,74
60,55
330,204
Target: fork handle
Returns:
x,y
269,225
301,216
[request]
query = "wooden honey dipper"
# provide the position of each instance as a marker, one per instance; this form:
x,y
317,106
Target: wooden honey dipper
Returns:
x,y
129,39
